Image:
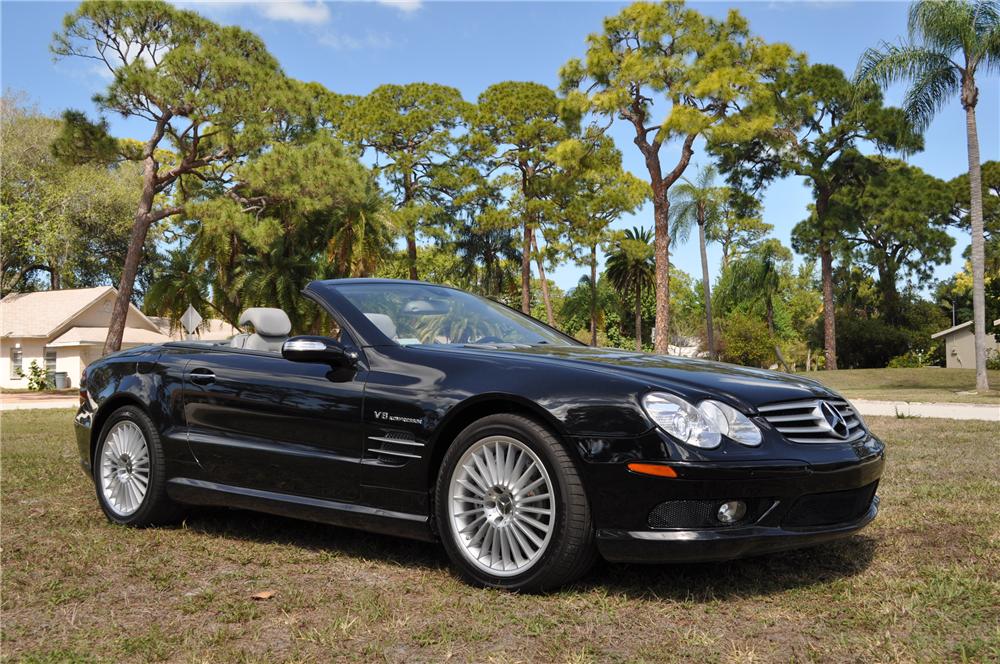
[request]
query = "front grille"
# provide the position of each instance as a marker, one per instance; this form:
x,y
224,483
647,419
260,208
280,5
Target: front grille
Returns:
x,y
804,422
701,514
826,509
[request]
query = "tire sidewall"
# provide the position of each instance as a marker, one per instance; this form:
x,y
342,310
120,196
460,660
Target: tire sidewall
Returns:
x,y
143,515
513,428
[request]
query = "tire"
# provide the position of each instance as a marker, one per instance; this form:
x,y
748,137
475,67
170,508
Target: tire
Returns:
x,y
492,533
130,448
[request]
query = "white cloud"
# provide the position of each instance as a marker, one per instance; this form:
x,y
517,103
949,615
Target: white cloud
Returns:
x,y
296,11
406,6
313,12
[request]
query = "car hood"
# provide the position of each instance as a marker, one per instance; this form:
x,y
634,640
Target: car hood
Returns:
x,y
695,378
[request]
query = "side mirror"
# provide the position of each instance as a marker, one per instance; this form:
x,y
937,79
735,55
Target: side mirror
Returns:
x,y
320,350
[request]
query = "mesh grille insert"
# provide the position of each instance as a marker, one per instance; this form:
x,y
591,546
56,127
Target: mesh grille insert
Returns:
x,y
701,513
826,509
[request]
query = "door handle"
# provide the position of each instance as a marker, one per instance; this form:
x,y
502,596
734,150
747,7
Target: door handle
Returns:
x,y
201,376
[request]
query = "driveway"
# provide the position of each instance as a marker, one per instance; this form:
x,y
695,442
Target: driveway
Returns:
x,y
951,411
27,400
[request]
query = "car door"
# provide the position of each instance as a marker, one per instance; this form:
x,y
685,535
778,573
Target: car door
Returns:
x,y
258,421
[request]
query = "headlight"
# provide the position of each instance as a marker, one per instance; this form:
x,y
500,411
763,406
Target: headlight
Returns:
x,y
731,422
681,420
701,426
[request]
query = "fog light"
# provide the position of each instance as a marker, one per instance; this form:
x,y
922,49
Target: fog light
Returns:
x,y
731,511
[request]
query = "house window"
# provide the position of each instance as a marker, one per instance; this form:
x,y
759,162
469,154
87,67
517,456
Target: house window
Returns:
x,y
50,364
15,362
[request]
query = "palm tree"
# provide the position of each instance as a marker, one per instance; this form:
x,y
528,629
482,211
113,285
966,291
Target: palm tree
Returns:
x,y
588,302
698,203
950,41
631,268
757,278
487,257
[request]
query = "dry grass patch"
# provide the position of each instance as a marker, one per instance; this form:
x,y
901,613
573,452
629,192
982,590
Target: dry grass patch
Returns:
x,y
920,584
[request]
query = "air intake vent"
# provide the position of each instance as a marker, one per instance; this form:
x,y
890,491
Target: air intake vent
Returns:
x,y
815,421
395,447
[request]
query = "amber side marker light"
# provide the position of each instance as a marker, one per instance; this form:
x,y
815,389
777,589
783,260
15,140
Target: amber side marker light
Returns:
x,y
656,469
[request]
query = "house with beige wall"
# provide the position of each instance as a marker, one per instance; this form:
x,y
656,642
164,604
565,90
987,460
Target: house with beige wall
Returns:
x,y
960,344
63,331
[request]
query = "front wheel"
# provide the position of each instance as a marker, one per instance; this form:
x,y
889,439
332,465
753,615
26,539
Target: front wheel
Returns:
x,y
130,471
511,508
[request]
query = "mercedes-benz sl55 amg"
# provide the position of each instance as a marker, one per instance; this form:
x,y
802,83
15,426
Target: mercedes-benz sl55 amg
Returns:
x,y
427,412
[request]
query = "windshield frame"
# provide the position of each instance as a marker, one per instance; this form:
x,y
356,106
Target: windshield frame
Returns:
x,y
367,334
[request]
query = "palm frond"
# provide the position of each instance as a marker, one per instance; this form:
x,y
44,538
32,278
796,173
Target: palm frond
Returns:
x,y
896,63
929,93
942,25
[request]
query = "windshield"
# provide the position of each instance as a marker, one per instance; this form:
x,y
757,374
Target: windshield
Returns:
x,y
412,314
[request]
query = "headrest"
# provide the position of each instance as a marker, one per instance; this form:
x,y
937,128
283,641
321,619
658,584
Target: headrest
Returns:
x,y
384,324
267,322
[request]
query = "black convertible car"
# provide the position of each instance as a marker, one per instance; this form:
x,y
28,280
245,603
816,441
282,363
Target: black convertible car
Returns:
x,y
426,412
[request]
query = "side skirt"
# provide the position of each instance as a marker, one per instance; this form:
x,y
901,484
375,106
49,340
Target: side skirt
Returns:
x,y
349,515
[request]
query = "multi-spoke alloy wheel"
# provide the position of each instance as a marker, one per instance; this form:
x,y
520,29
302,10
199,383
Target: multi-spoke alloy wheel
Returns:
x,y
130,471
510,506
124,468
502,506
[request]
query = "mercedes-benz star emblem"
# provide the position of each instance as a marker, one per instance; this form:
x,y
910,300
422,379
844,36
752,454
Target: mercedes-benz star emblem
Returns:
x,y
834,419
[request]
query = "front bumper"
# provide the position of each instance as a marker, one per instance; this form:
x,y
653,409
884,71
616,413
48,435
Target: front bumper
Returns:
x,y
790,504
705,545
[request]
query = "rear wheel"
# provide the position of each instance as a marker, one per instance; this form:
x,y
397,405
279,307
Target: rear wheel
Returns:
x,y
129,471
511,507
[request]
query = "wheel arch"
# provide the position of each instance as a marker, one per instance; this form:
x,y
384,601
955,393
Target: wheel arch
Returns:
x,y
105,410
477,408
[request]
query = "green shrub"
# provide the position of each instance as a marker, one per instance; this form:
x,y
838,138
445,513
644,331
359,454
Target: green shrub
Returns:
x,y
38,377
746,340
993,360
911,359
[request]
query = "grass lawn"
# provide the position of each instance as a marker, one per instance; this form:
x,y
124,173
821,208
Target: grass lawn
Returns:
x,y
926,384
921,584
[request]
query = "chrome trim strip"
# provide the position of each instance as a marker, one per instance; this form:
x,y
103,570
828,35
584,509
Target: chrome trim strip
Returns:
x,y
379,450
383,439
851,438
790,405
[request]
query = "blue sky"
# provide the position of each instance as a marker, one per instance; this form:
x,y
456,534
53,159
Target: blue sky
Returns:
x,y
352,47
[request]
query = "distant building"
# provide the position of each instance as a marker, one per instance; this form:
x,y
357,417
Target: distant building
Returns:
x,y
211,329
63,331
960,345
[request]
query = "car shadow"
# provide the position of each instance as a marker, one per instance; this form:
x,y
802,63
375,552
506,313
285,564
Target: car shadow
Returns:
x,y
264,528
747,577
691,582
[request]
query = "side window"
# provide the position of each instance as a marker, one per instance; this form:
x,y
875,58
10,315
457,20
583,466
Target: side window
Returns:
x,y
50,362
15,362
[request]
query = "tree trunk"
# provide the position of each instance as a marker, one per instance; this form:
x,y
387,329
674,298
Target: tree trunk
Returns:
x,y
661,213
638,316
411,253
411,231
140,228
526,269
593,295
709,332
826,274
890,295
546,298
770,328
978,247
829,322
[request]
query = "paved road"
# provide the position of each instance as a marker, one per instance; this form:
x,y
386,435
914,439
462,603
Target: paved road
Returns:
x,y
953,411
